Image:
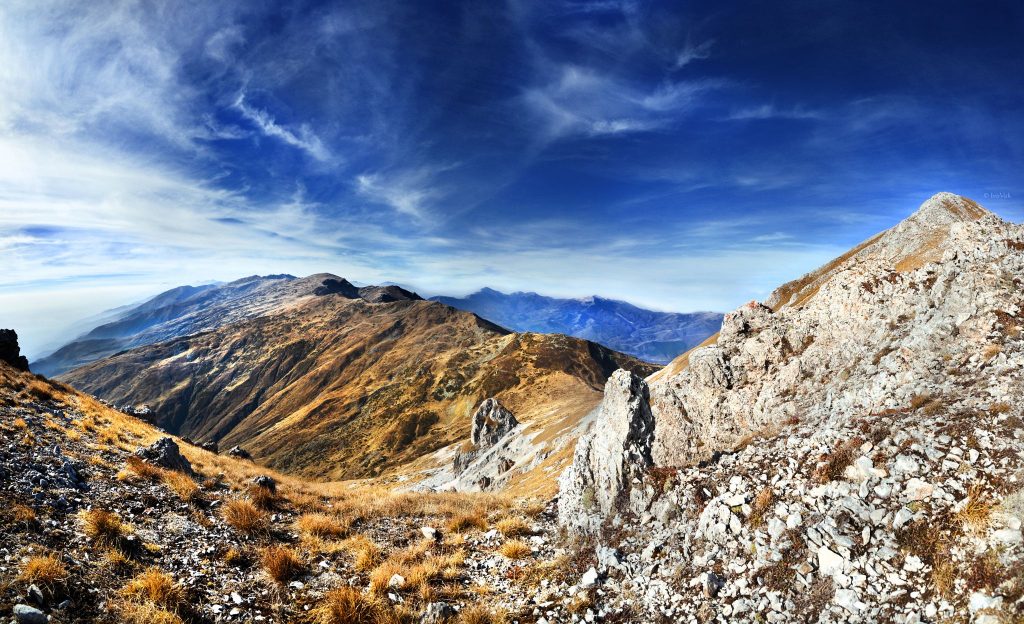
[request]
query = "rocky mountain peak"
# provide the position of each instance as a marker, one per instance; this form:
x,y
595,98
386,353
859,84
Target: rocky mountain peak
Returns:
x,y
945,208
838,442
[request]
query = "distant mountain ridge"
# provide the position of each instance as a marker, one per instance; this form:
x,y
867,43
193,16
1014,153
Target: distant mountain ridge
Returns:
x,y
187,310
647,334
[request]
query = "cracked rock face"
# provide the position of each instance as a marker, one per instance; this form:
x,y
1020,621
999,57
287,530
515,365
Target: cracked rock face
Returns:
x,y
608,459
491,422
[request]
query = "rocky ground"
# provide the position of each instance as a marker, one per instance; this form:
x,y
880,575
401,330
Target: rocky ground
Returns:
x,y
908,516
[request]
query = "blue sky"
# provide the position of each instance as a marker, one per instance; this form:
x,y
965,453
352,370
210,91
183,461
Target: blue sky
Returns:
x,y
680,157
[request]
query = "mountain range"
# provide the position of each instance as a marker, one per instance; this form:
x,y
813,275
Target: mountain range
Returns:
x,y
315,376
649,335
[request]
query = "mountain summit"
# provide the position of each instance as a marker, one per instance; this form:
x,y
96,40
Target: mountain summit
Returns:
x,y
858,437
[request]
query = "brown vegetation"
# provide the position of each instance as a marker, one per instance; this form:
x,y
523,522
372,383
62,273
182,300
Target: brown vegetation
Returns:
x,y
281,563
245,517
102,526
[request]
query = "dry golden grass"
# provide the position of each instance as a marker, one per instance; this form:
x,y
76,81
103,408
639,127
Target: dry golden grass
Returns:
x,y
481,614
419,569
144,613
321,525
534,508
156,587
365,553
245,517
183,485
944,577
513,527
999,408
150,598
281,563
834,464
976,514
23,514
45,570
263,498
140,468
466,521
116,560
515,549
348,605
760,506
235,558
991,351
102,526
40,390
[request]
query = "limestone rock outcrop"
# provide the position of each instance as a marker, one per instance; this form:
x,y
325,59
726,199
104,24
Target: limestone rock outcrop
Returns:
x,y
608,460
491,422
488,454
858,436
863,334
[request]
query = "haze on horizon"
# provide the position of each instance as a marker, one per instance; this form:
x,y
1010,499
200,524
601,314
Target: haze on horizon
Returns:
x,y
680,158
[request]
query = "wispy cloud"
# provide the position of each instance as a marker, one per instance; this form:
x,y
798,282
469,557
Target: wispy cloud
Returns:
x,y
771,111
410,191
583,101
692,53
303,137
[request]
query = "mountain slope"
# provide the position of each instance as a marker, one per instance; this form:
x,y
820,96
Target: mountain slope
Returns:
x,y
104,518
646,334
850,451
333,386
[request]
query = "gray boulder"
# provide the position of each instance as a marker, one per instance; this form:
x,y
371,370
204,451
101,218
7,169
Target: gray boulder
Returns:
x,y
491,422
265,482
24,614
608,459
239,452
166,454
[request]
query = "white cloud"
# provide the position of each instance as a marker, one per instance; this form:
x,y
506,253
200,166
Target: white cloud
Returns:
x,y
582,101
411,191
770,111
692,53
302,138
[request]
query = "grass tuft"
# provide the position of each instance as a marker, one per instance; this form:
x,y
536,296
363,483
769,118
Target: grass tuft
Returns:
x,y
321,525
515,549
281,563
348,605
514,527
45,570
102,526
245,517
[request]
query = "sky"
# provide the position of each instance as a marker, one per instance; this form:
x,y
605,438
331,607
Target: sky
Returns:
x,y
681,156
